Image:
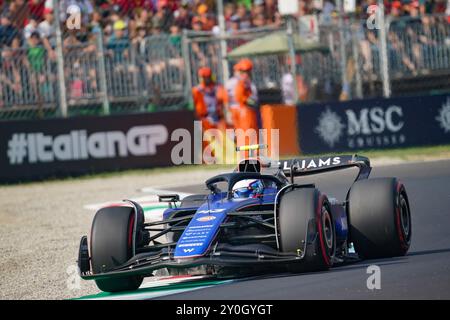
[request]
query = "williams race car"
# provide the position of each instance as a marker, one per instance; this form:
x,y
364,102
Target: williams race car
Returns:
x,y
253,220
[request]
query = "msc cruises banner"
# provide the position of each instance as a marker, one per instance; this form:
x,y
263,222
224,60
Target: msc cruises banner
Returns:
x,y
374,124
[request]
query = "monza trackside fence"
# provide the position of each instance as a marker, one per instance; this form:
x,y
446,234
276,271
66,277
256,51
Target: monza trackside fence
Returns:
x,y
418,50
419,45
144,73
204,49
417,53
321,73
27,82
99,79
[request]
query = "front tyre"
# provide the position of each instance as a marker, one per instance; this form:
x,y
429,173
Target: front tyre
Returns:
x,y
305,217
111,246
380,218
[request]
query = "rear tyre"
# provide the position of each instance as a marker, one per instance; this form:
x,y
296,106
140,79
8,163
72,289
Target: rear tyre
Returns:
x,y
380,218
111,246
305,215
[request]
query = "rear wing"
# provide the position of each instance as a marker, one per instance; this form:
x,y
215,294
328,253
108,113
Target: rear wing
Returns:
x,y
307,166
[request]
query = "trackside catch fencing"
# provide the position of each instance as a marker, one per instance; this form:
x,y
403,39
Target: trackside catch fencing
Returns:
x,y
104,74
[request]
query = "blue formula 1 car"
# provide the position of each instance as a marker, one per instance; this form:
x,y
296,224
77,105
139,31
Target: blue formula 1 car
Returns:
x,y
253,220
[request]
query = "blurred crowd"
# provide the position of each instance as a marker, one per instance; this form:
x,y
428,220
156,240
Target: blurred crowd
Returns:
x,y
20,18
29,25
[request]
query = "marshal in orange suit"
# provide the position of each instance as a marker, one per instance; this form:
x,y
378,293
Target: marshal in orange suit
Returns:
x,y
209,99
246,97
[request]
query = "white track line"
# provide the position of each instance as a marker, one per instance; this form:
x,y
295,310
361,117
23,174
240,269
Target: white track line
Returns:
x,y
163,283
149,295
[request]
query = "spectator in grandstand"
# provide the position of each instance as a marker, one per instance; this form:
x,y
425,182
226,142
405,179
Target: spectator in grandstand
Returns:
x,y
124,67
109,22
10,75
9,34
142,18
90,52
396,9
71,44
205,17
195,47
412,8
138,39
369,49
35,53
326,12
427,44
183,17
258,21
36,63
19,12
235,24
402,62
228,12
36,8
76,84
271,10
277,20
95,25
258,8
10,60
118,43
156,27
47,33
163,18
175,58
175,36
30,28
244,17
412,34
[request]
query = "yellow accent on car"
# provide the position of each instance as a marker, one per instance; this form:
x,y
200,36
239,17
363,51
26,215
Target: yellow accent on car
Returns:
x,y
251,147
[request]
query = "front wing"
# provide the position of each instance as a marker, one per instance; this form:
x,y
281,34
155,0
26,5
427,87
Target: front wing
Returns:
x,y
223,255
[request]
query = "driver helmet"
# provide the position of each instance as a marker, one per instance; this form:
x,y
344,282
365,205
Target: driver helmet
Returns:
x,y
247,188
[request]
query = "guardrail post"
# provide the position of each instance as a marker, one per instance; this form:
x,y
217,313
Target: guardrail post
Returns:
x,y
342,52
60,61
223,43
291,46
356,58
187,67
384,63
102,72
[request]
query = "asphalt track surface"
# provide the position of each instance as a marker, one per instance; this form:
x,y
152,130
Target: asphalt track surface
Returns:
x,y
424,273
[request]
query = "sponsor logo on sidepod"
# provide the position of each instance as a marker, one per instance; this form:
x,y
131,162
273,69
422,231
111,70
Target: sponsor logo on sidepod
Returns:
x,y
206,218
